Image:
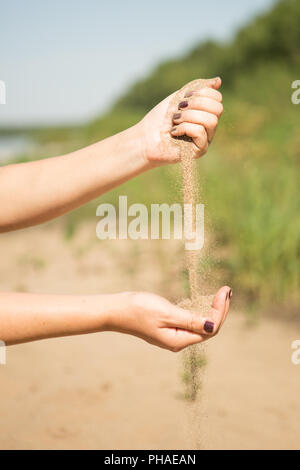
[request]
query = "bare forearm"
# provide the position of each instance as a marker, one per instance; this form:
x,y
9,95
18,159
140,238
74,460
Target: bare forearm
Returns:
x,y
32,193
29,317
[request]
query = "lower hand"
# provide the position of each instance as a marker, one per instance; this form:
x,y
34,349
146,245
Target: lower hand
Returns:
x,y
168,326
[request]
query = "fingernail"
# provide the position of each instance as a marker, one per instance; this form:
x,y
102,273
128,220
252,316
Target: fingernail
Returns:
x,y
188,94
173,129
209,326
230,294
183,104
176,115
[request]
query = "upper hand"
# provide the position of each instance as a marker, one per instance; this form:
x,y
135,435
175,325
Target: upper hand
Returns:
x,y
196,116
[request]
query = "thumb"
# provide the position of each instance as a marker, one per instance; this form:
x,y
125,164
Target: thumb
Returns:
x,y
220,305
215,82
191,321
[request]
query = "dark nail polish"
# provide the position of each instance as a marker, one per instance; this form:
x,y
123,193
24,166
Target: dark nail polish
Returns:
x,y
173,129
209,326
183,104
176,115
230,294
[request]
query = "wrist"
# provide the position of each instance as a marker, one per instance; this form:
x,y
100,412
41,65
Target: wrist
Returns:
x,y
117,312
134,139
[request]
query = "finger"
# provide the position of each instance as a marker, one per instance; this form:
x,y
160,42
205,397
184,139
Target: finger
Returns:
x,y
207,120
203,325
206,93
176,339
227,306
220,306
195,131
201,103
197,103
190,321
215,82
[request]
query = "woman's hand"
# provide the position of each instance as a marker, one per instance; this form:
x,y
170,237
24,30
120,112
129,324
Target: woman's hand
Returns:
x,y
76,178
163,324
29,317
195,116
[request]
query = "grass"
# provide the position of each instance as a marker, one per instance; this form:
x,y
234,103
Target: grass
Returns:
x,y
251,186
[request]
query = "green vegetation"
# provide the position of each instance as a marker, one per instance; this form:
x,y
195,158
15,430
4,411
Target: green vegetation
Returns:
x,y
252,170
251,173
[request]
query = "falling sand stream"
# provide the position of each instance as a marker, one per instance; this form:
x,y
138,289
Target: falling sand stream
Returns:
x,y
194,356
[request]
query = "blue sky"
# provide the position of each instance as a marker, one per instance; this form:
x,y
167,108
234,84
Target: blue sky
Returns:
x,y
65,61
